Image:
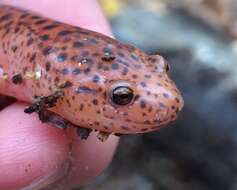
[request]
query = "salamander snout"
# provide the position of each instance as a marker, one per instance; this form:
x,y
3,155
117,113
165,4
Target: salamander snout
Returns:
x,y
159,102
148,102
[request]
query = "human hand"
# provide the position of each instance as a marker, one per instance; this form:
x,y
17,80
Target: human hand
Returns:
x,y
34,155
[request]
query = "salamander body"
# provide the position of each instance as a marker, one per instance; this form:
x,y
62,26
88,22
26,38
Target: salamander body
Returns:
x,y
86,78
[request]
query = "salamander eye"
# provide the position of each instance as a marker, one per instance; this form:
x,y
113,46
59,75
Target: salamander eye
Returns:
x,y
121,95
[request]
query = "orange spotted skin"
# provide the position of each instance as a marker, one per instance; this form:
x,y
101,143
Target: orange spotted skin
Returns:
x,y
41,56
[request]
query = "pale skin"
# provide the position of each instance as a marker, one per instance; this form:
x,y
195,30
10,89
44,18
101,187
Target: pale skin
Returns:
x,y
36,155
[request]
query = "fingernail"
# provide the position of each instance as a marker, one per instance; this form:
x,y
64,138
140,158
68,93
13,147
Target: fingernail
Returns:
x,y
52,180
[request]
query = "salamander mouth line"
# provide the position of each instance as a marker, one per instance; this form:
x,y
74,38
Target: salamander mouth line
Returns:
x,y
142,124
150,123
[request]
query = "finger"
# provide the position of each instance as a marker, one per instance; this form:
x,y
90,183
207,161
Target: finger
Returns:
x,y
83,153
86,13
28,149
90,158
43,155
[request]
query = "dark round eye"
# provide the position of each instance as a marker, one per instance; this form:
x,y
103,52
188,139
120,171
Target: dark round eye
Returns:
x,y
121,95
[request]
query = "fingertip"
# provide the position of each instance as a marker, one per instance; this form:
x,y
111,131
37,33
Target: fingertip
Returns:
x,y
28,149
41,152
91,157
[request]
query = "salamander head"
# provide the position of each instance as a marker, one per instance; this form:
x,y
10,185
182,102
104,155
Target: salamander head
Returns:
x,y
140,97
123,90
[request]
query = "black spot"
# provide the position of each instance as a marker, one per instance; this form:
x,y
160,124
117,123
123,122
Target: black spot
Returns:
x,y
47,66
5,33
50,27
56,80
134,57
96,123
44,37
148,93
14,48
125,71
96,54
64,48
33,57
143,104
95,102
125,113
124,128
62,57
96,79
84,90
115,66
81,31
143,84
177,100
93,41
47,50
150,109
24,15
130,48
78,44
85,53
81,107
17,29
5,17
147,76
123,62
64,32
38,84
106,127
165,95
162,105
17,79
30,41
49,79
137,66
40,22
134,76
136,97
147,122
87,70
76,71
106,68
65,71
173,107
35,17
121,54
76,58
152,59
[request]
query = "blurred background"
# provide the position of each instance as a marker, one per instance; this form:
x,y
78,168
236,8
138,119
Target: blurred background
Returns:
x,y
198,151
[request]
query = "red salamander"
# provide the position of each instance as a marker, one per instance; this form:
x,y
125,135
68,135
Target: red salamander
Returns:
x,y
76,77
